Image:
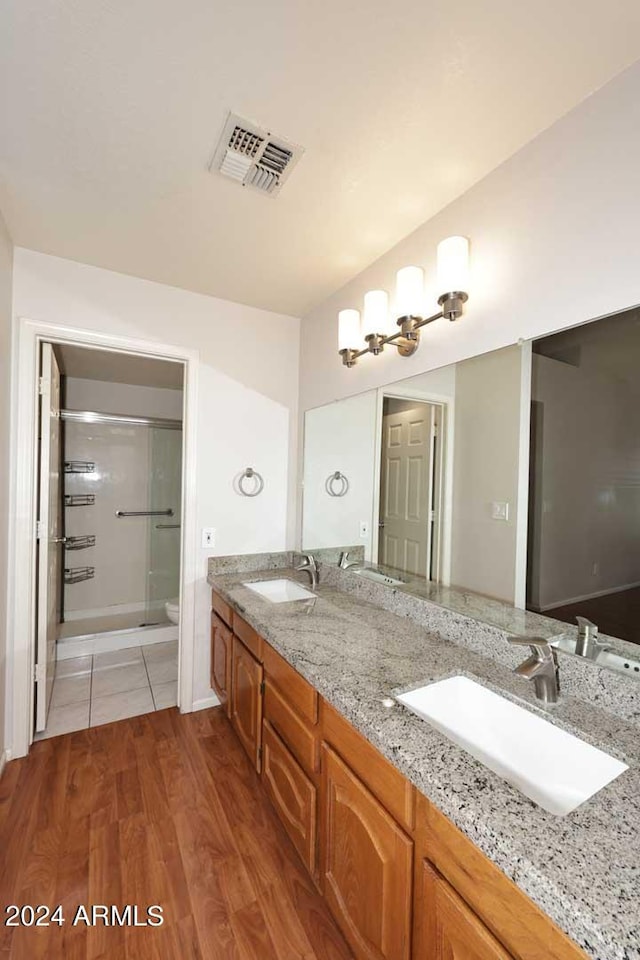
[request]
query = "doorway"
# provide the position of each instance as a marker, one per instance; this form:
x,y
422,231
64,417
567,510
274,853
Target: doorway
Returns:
x,y
109,515
410,502
25,665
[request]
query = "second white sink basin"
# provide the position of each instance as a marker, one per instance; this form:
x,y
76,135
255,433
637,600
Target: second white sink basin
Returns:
x,y
281,590
550,766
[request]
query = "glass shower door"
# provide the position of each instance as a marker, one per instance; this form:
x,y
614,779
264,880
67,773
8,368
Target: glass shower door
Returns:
x,y
165,493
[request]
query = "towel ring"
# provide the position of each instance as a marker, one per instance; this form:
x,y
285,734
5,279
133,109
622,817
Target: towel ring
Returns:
x,y
258,485
332,480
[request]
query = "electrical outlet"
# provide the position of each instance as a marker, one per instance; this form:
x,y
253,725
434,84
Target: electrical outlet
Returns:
x,y
595,569
499,510
208,538
364,529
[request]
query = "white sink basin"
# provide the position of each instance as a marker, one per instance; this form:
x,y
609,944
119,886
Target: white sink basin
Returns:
x,y
280,591
549,765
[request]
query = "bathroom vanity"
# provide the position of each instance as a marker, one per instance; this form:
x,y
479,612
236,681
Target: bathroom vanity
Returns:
x,y
420,850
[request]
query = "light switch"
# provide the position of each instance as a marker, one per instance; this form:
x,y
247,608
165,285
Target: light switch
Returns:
x,y
499,510
208,538
364,529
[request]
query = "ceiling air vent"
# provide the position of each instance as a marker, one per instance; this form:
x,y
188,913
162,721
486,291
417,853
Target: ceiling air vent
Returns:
x,y
253,156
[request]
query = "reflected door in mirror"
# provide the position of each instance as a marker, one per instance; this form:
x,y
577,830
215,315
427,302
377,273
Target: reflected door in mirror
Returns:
x,y
408,486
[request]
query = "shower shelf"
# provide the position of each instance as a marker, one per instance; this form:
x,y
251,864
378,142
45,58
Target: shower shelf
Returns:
x,y
80,543
79,499
79,466
78,574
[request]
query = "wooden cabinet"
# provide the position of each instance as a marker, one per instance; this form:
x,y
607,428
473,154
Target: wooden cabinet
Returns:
x,y
402,881
246,700
292,794
520,926
366,865
454,932
221,656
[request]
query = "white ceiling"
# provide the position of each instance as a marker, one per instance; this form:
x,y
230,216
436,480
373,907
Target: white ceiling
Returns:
x,y
112,366
110,113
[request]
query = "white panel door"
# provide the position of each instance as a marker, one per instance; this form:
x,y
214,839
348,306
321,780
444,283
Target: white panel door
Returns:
x,y
406,489
50,538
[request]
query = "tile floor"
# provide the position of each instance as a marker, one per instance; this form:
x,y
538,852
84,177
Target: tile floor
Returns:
x,y
90,691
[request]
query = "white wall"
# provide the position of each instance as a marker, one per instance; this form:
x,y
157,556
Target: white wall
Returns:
x,y
6,258
124,398
587,491
339,436
486,469
247,403
554,234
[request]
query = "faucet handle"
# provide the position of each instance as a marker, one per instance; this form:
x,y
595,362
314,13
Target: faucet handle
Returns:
x,y
585,624
539,646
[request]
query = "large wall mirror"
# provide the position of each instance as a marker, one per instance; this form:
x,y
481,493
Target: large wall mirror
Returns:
x,y
514,475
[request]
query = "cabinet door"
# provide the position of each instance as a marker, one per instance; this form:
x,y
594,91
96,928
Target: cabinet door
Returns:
x,y
221,638
292,794
366,865
246,700
452,930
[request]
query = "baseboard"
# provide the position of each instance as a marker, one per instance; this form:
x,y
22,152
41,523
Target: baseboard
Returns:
x,y
589,596
5,756
205,703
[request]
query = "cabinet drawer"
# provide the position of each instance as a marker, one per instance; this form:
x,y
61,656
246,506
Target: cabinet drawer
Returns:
x,y
221,654
301,739
366,865
221,607
392,789
453,928
292,794
248,635
299,693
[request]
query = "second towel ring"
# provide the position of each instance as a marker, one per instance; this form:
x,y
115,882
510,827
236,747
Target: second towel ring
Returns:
x,y
331,484
250,474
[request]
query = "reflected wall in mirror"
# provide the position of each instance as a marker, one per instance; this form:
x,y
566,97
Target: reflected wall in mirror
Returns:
x,y
584,516
514,474
434,470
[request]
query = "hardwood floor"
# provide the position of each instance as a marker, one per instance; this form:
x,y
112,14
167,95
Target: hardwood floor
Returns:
x,y
617,614
160,809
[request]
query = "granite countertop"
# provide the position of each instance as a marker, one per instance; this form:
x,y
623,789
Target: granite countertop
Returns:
x,y
582,869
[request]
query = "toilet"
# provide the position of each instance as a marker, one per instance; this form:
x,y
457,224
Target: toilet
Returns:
x,y
172,609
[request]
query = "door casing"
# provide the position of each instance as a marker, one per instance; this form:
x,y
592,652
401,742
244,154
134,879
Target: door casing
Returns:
x,y
23,512
444,482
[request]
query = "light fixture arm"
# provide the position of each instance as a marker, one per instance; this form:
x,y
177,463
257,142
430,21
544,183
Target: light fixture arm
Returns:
x,y
406,339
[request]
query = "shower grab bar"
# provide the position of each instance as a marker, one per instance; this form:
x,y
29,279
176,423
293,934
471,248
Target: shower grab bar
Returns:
x,y
167,526
144,513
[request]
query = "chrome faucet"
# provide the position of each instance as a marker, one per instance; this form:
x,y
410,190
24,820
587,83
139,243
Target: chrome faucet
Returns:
x,y
587,644
311,567
344,563
541,667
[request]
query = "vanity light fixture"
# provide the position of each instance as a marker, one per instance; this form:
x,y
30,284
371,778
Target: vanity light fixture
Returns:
x,y
379,326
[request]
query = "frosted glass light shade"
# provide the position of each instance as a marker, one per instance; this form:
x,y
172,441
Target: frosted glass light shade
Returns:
x,y
349,335
376,314
453,265
410,291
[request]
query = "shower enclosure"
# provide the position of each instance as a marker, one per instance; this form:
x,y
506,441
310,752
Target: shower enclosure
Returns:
x,y
122,509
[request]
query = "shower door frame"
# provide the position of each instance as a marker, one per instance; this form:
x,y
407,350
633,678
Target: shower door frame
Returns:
x,y
22,539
